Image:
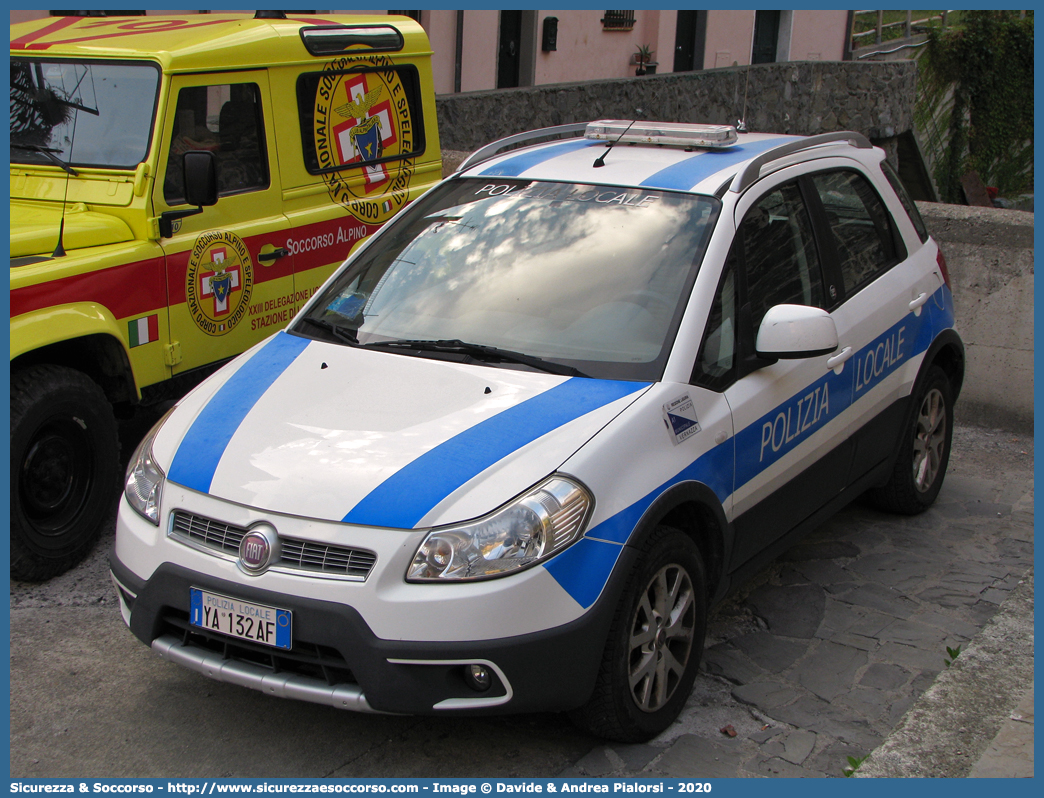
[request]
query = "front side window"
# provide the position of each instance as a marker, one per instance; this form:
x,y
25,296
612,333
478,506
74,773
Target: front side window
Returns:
x,y
779,253
82,113
226,120
593,277
717,357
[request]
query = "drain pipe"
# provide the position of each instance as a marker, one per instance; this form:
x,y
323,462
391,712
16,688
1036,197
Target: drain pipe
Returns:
x,y
460,52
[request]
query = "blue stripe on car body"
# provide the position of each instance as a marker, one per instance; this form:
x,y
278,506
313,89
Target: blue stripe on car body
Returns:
x,y
584,572
584,577
584,568
516,165
403,499
197,457
942,310
686,174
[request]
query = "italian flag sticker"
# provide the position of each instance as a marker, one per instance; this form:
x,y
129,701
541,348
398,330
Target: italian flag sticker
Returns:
x,y
387,206
143,331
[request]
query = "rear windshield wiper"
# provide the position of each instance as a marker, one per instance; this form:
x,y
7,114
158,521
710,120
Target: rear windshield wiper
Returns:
x,y
343,334
48,153
482,351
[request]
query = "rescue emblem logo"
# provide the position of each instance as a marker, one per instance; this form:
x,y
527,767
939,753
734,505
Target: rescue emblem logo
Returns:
x,y
218,282
361,120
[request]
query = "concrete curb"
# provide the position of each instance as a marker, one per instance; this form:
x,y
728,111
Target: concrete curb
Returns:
x,y
972,721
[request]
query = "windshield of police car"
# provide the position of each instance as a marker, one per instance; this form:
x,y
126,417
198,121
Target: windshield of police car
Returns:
x,y
82,113
593,277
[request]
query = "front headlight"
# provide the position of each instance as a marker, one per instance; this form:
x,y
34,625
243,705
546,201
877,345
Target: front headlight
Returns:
x,y
529,530
145,479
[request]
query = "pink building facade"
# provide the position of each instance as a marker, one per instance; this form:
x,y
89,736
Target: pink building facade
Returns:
x,y
476,50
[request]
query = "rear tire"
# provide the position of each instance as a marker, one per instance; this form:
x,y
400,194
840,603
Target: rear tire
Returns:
x,y
64,469
655,643
924,453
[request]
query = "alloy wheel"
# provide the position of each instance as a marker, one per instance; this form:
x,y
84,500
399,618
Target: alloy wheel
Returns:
x,y
661,637
929,440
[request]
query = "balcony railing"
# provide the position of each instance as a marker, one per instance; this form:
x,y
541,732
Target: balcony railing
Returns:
x,y
873,28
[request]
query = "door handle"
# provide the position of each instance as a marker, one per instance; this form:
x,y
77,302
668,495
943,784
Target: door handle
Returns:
x,y
275,254
915,305
838,360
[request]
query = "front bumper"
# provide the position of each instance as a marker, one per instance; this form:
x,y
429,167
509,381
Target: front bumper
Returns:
x,y
337,660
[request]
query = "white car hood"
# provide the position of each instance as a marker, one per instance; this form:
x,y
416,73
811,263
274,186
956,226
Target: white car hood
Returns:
x,y
335,433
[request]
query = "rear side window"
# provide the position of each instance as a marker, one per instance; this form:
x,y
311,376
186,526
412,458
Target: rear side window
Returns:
x,y
366,118
860,226
904,198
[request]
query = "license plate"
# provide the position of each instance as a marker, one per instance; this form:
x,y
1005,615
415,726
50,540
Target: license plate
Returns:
x,y
245,620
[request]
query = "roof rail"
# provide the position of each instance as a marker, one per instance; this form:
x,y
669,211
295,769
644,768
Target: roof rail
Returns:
x,y
520,140
752,171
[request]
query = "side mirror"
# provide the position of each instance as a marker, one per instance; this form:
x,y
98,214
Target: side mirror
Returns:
x,y
201,186
199,168
793,332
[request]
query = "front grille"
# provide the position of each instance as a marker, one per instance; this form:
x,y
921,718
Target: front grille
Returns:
x,y
296,554
310,556
206,532
305,659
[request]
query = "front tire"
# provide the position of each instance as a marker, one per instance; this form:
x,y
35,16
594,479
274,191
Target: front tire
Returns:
x,y
64,469
924,450
655,643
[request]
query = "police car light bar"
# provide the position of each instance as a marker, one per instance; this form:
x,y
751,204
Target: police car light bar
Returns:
x,y
676,134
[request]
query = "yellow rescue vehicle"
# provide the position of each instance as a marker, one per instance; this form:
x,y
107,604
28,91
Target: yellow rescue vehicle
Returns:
x,y
179,187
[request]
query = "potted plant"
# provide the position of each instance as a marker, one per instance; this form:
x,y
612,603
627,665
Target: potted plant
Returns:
x,y
643,57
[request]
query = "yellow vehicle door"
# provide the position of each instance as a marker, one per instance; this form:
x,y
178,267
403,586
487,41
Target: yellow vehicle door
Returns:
x,y
229,275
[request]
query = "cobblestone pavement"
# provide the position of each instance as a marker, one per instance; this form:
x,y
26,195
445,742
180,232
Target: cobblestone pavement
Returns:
x,y
822,654
949,732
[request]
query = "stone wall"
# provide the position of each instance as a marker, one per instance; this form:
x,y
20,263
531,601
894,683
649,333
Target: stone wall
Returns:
x,y
989,253
800,97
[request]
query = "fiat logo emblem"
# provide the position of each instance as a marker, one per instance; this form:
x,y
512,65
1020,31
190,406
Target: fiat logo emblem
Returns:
x,y
258,549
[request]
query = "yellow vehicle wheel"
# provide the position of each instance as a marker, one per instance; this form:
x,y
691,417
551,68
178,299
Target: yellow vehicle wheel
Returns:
x,y
64,469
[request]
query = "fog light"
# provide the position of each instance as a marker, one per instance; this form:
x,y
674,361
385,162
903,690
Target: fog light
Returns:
x,y
478,677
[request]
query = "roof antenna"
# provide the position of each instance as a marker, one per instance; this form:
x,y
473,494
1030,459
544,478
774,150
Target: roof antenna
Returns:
x,y
600,161
741,123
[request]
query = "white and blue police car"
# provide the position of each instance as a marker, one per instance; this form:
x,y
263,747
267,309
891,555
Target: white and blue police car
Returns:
x,y
510,453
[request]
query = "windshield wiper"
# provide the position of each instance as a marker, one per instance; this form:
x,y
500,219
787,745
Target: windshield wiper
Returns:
x,y
48,153
343,334
482,351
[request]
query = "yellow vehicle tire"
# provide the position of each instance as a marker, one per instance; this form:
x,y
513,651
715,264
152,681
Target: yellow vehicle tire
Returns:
x,y
64,469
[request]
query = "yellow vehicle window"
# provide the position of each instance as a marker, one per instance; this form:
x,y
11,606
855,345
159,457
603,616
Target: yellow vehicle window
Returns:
x,y
82,113
363,117
225,119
